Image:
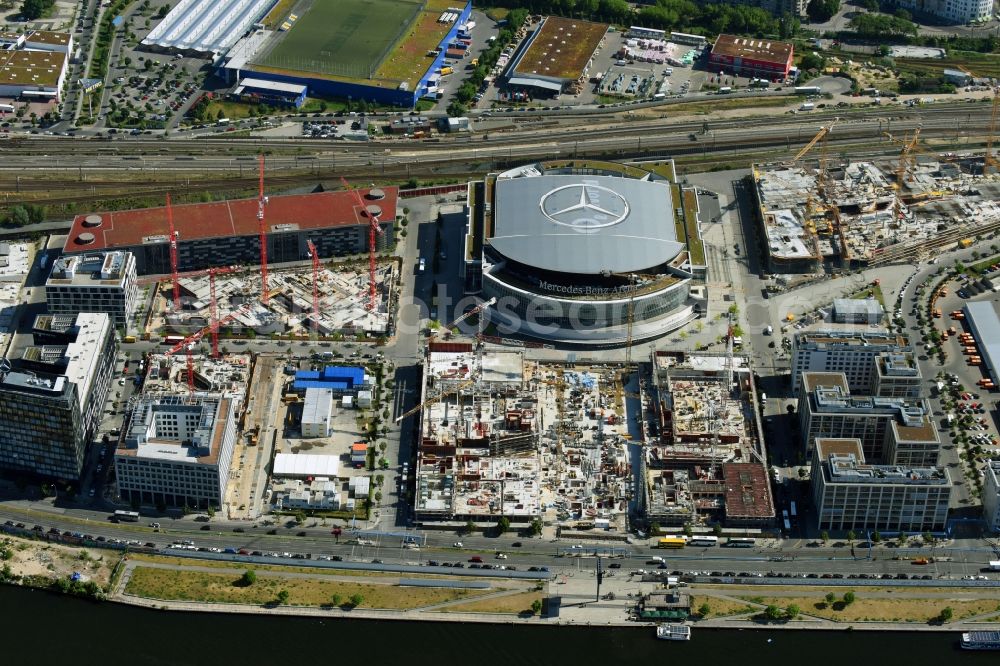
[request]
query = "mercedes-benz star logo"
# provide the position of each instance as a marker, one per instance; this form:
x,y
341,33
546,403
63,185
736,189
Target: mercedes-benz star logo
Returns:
x,y
584,207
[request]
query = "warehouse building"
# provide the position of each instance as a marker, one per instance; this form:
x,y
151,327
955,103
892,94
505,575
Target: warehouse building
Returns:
x,y
850,494
227,232
984,324
747,56
177,451
97,282
556,56
991,495
52,398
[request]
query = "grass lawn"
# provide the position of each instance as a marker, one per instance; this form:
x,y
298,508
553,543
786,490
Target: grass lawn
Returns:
x,y
721,607
408,60
871,291
169,584
512,604
343,38
883,609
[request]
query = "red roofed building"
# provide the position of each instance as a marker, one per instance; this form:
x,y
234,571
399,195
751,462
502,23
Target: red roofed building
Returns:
x,y
749,56
226,232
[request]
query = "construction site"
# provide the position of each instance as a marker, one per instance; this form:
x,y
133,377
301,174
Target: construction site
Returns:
x,y
703,460
836,214
328,300
501,436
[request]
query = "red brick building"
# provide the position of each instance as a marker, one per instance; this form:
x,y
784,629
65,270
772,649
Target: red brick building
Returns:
x,y
749,56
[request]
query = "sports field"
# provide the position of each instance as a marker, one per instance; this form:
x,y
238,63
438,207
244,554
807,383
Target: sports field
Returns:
x,y
343,38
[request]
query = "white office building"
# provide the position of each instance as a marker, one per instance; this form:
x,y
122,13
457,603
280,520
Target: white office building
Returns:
x,y
99,282
177,451
953,11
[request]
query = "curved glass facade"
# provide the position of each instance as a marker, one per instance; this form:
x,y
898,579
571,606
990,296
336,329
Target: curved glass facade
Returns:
x,y
550,312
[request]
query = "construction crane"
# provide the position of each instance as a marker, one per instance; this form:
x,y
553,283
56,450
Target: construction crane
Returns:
x,y
213,319
476,310
437,398
820,135
262,228
189,342
173,256
314,255
634,278
372,212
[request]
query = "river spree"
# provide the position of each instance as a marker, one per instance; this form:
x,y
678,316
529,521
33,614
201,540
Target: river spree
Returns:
x,y
42,628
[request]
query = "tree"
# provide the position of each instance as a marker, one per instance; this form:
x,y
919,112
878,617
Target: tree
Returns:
x,y
356,600
717,529
535,527
830,598
869,5
821,11
503,524
536,606
688,530
337,600
927,537
876,536
35,9
811,61
210,511
851,536
704,610
248,578
300,516
220,115
849,598
470,527
946,614
792,611
282,597
772,613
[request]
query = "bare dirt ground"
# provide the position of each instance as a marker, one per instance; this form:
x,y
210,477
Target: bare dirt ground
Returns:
x,y
39,558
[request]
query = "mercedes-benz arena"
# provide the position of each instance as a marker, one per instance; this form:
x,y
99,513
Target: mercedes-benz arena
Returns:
x,y
571,249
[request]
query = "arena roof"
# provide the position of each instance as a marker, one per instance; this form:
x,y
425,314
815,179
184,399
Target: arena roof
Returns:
x,y
225,218
585,224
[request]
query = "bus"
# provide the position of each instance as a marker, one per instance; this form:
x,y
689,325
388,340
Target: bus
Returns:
x,y
794,512
673,542
172,339
741,542
784,517
703,541
127,516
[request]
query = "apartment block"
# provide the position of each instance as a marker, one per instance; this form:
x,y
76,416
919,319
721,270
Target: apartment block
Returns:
x,y
52,398
891,430
850,494
177,451
95,282
853,353
991,495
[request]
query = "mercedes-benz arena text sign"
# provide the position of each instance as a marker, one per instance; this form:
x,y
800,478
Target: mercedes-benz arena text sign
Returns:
x,y
584,206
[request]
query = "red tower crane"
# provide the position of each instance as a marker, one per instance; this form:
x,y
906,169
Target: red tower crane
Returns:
x,y
314,255
189,341
173,256
213,316
373,228
261,200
